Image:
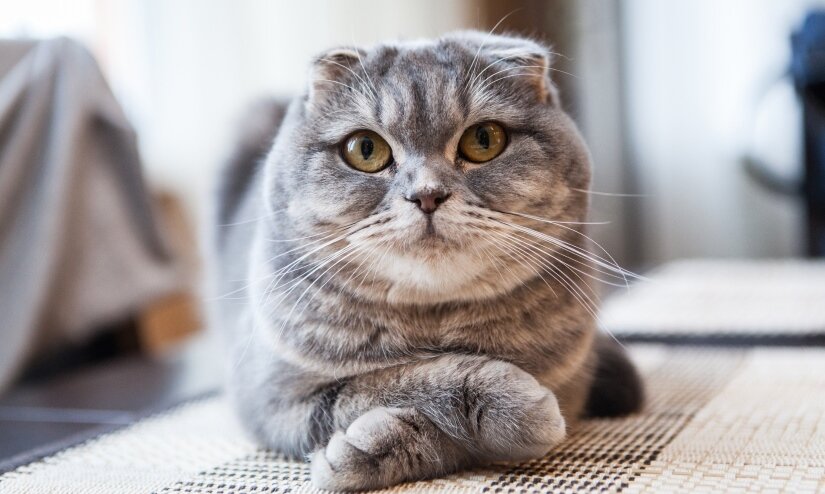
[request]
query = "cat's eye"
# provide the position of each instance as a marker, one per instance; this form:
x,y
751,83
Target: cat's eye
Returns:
x,y
367,151
482,142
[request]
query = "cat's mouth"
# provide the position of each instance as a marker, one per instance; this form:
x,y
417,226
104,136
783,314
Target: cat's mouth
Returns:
x,y
435,231
433,239
426,237
429,228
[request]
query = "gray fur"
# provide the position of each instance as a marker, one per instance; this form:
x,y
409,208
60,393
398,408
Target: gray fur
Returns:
x,y
362,340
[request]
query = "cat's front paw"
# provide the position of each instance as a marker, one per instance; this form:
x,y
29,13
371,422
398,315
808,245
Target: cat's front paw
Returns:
x,y
380,448
517,418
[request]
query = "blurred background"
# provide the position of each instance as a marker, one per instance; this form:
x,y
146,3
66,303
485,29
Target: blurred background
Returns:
x,y
694,116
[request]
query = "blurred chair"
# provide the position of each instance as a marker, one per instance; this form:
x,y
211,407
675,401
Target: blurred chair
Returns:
x,y
80,248
807,69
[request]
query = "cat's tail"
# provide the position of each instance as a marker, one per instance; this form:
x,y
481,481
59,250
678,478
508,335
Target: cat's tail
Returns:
x,y
258,127
617,388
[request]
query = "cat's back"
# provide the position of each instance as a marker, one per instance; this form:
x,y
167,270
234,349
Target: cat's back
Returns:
x,y
259,126
236,209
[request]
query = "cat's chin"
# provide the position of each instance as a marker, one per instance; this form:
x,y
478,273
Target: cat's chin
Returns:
x,y
403,293
443,275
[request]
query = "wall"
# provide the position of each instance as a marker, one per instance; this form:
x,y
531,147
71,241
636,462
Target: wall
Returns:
x,y
695,75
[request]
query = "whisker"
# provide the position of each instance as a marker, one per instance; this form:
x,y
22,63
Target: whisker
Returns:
x,y
508,69
490,258
374,267
364,69
368,256
253,220
369,221
346,252
330,232
574,268
355,251
544,268
508,252
286,269
296,264
565,280
583,261
295,283
475,77
484,41
609,264
608,194
299,267
373,96
578,293
540,253
291,267
341,84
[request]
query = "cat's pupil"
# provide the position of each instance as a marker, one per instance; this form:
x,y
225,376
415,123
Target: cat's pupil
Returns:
x,y
366,147
482,137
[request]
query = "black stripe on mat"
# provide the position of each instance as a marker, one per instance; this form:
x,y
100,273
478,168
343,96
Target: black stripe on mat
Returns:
x,y
727,340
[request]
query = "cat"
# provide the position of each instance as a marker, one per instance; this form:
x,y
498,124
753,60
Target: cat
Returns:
x,y
399,269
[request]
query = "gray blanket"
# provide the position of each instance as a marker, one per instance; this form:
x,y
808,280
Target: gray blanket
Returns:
x,y
78,243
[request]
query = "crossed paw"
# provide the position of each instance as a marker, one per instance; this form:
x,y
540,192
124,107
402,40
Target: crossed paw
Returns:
x,y
512,418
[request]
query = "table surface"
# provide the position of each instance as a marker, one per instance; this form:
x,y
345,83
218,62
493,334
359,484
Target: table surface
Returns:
x,y
109,394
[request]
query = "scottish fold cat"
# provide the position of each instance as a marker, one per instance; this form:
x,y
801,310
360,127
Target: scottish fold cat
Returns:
x,y
400,270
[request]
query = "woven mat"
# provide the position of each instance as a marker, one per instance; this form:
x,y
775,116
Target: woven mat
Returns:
x,y
702,299
717,420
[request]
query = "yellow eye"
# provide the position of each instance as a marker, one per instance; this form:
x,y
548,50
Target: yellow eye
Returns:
x,y
367,151
482,142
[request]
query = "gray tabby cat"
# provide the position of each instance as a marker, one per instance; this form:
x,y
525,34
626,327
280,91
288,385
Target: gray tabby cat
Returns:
x,y
403,281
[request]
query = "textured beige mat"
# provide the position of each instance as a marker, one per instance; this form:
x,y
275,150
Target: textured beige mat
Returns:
x,y
717,420
716,298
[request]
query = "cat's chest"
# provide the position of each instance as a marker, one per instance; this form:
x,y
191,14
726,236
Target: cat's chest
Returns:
x,y
531,331
511,331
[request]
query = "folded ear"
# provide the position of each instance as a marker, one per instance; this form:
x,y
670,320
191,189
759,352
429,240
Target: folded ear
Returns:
x,y
527,61
334,71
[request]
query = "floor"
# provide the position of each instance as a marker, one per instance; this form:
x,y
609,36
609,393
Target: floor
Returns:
x,y
111,394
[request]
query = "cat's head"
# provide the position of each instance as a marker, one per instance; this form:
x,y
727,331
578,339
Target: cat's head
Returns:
x,y
417,168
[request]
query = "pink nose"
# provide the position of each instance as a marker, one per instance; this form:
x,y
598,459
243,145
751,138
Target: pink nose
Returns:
x,y
428,201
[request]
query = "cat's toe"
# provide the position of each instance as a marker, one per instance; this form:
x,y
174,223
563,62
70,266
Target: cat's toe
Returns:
x,y
321,472
359,458
544,429
340,466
